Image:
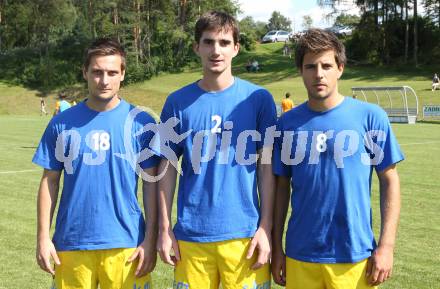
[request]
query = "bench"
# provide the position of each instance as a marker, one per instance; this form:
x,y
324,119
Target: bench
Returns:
x,y
396,107
400,111
401,115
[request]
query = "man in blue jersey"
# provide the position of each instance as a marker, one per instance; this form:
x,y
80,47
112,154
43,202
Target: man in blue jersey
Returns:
x,y
225,196
100,237
325,155
62,104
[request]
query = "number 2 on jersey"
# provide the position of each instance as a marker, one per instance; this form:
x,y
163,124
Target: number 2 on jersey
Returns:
x,y
218,122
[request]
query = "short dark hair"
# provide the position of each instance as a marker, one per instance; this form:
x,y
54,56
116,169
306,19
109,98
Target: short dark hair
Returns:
x,y
104,47
287,94
216,20
62,95
318,40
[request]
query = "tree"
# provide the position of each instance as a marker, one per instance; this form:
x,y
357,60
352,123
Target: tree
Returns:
x,y
307,22
255,28
248,32
279,22
16,26
42,40
415,34
433,10
2,3
247,24
347,20
406,32
261,29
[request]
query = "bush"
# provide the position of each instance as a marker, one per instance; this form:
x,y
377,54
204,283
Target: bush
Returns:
x,y
139,72
247,42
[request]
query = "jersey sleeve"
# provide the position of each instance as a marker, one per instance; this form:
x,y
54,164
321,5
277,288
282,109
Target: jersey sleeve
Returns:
x,y
147,141
267,115
169,130
392,153
45,154
278,167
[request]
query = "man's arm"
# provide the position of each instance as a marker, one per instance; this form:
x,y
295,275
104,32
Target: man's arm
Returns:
x,y
146,252
381,262
282,196
166,240
46,203
261,239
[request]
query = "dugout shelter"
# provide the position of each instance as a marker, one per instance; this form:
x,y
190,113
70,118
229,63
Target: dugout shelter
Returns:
x,y
399,102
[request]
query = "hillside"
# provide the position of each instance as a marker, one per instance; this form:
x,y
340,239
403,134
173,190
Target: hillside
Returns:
x,y
278,75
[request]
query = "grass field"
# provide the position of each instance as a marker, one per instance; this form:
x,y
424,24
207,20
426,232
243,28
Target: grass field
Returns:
x,y
417,256
278,75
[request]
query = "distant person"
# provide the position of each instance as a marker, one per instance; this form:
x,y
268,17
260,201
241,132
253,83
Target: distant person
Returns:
x,y
287,103
249,66
286,49
42,106
255,66
100,238
435,82
329,148
62,104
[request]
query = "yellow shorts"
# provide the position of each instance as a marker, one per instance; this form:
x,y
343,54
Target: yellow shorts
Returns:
x,y
108,268
300,275
205,265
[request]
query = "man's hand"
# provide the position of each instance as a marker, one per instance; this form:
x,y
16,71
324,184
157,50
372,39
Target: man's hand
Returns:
x,y
380,265
261,242
165,244
147,258
46,251
278,266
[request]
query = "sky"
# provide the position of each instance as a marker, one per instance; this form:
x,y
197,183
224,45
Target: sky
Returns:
x,y
261,10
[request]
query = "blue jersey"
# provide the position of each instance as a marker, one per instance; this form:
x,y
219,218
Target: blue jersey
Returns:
x,y
217,196
97,151
330,161
64,105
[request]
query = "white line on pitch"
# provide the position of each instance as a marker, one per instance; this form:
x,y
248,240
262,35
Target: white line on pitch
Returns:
x,y
419,143
17,172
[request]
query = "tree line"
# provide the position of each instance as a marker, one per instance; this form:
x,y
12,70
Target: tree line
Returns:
x,y
42,41
393,31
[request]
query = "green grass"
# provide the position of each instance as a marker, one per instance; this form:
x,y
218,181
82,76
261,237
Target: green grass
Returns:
x,y
416,258
278,75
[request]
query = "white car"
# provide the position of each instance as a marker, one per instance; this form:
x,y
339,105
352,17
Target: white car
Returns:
x,y
346,30
276,35
341,30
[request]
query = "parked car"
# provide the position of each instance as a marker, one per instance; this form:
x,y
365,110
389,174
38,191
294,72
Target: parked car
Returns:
x,y
346,30
341,30
276,35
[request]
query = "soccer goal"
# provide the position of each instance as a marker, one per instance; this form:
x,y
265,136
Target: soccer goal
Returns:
x,y
400,102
